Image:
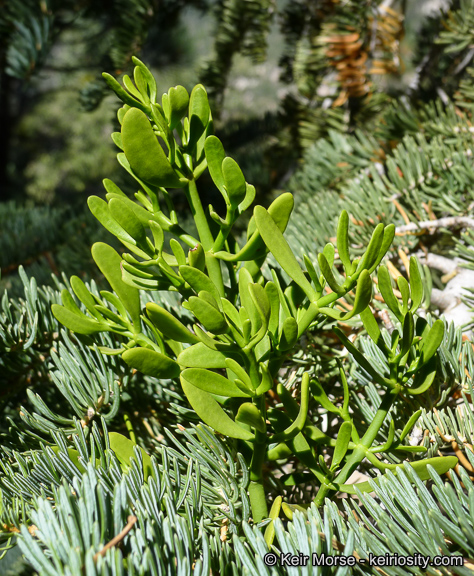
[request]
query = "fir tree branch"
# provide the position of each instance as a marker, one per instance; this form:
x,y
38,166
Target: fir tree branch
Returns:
x,y
448,222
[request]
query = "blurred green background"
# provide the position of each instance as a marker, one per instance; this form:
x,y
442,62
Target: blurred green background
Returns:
x,y
56,114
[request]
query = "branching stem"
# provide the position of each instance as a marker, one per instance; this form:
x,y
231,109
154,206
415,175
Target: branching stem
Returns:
x,y
361,450
205,235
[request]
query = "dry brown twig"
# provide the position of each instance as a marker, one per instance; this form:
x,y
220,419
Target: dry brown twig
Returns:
x,y
131,520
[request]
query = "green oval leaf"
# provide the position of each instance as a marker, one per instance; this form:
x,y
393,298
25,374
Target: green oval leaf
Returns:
x,y
408,334
239,371
151,363
77,323
321,397
372,328
234,181
266,383
416,285
168,325
201,356
289,334
249,414
108,261
142,84
178,99
123,94
81,291
312,273
212,414
100,209
126,218
409,425
329,253
208,315
143,151
432,341
385,287
261,301
199,281
373,249
343,241
328,274
115,301
363,294
74,457
199,118
342,444
117,139
423,379
249,198
148,76
213,383
280,249
269,534
129,85
440,463
124,450
246,301
388,236
404,288
197,257
215,155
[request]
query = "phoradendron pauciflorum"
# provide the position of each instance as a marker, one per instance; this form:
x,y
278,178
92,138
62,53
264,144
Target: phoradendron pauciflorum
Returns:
x,y
245,325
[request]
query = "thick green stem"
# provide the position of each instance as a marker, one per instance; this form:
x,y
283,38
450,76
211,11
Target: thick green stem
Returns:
x,y
199,215
224,231
215,273
360,451
313,309
258,500
372,431
321,495
205,235
307,318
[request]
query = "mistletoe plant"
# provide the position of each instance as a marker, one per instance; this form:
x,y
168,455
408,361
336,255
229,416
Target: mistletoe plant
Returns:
x,y
245,325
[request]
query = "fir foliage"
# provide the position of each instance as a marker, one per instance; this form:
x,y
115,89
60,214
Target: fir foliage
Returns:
x,y
174,498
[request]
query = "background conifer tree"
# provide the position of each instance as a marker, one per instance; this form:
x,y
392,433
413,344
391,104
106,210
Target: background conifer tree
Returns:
x,y
351,133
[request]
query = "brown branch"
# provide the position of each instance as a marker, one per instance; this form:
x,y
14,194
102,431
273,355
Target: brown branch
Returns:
x,y
117,539
449,222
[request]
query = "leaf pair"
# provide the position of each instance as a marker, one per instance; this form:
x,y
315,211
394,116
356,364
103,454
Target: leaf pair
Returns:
x,y
197,385
226,174
255,248
119,216
175,105
412,290
278,246
108,261
441,464
197,127
379,243
414,348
